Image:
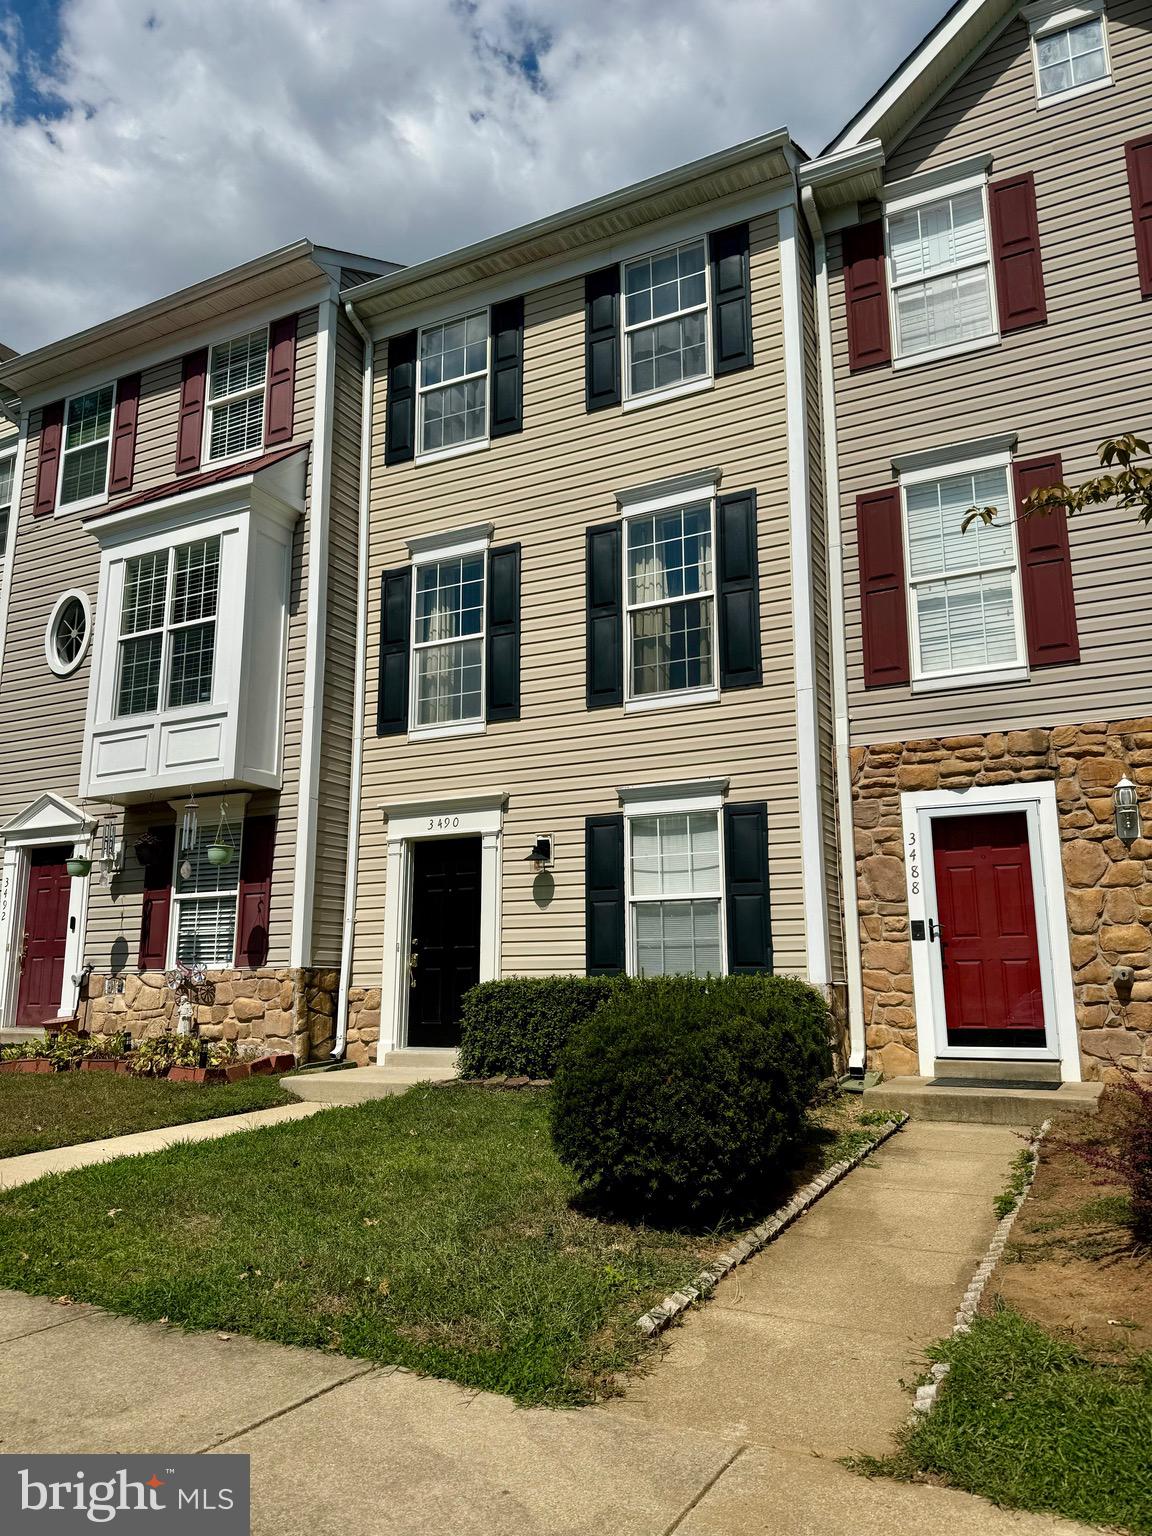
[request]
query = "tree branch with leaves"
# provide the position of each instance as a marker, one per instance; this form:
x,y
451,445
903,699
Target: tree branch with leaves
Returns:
x,y
1128,487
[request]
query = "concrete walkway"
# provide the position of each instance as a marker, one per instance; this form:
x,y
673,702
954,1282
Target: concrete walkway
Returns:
x,y
34,1165
736,1431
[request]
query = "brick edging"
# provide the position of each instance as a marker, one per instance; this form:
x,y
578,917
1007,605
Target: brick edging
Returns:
x,y
928,1395
759,1237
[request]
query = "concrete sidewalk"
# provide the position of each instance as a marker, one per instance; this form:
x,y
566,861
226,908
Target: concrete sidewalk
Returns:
x,y
34,1165
736,1431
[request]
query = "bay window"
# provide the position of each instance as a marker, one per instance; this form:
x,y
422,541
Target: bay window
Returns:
x,y
448,640
675,890
964,586
86,446
168,628
452,383
666,319
237,372
941,275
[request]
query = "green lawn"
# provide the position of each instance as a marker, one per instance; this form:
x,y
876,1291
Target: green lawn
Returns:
x,y
41,1110
435,1230
1028,1421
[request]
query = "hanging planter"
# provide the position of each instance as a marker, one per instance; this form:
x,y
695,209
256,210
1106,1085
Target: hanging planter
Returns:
x,y
78,868
221,850
219,853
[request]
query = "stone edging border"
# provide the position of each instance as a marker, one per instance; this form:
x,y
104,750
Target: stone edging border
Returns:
x,y
759,1237
928,1395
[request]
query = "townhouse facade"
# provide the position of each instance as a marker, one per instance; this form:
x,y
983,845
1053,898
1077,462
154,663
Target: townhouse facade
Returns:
x,y
179,581
597,734
984,259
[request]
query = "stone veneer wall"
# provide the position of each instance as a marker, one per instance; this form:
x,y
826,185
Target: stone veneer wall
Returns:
x,y
1108,887
363,1025
282,1010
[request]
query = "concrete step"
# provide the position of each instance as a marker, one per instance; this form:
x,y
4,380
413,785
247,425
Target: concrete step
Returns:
x,y
401,1071
996,1073
926,1099
430,1063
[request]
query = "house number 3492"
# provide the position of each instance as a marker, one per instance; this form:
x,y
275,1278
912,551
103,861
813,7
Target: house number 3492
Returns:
x,y
442,823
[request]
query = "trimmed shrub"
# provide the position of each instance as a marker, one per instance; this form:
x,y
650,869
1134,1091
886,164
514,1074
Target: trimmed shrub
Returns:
x,y
517,1027
683,1100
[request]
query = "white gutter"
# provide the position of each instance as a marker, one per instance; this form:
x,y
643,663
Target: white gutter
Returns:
x,y
352,848
846,835
813,870
316,565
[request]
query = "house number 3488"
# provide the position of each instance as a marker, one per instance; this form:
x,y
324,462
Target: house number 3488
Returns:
x,y
442,823
913,866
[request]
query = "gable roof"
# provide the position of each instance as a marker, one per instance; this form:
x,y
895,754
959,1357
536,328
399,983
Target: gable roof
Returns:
x,y
954,42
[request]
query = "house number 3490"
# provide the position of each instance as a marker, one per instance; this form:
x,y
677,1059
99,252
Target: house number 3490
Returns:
x,y
442,823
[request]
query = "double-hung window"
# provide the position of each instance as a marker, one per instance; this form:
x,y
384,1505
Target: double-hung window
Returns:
x,y
666,319
452,383
168,628
205,898
940,263
7,490
964,586
86,446
448,641
675,894
237,372
669,578
1070,49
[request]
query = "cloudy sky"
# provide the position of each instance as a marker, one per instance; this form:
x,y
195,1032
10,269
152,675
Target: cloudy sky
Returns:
x,y
147,143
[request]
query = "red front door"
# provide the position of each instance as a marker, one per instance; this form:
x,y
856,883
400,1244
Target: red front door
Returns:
x,y
45,938
987,917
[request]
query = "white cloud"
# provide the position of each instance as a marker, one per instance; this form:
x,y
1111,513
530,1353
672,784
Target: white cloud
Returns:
x,y
196,136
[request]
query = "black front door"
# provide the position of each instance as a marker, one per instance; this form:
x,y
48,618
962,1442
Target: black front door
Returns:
x,y
445,936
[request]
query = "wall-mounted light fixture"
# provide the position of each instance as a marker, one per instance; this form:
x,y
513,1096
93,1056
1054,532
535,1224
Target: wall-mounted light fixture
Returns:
x,y
540,854
1127,811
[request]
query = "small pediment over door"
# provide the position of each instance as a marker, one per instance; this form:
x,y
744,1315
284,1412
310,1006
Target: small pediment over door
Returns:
x,y
50,817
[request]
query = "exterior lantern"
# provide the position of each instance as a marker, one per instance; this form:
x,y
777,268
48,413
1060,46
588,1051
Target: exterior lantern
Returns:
x,y
1127,812
540,854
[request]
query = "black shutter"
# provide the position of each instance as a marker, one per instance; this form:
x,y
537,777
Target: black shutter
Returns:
x,y
395,647
503,681
602,338
400,422
739,591
605,658
604,953
746,861
507,373
731,300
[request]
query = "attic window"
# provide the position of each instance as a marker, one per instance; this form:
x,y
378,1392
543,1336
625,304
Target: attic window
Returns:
x,y
1070,50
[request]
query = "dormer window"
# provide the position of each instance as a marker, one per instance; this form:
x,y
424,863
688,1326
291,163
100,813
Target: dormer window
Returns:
x,y
85,449
237,372
1070,49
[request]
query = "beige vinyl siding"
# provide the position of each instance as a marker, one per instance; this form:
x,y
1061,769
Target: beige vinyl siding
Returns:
x,y
560,762
338,730
1062,387
42,716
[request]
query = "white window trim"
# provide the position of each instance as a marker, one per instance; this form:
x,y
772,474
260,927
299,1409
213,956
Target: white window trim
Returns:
x,y
9,506
166,630
665,501
209,812
50,656
475,444
240,394
705,380
920,199
1046,18
683,800
62,508
430,551
1002,672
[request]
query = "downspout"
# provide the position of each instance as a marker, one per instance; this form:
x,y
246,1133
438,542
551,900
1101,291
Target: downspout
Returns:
x,y
857,1046
352,850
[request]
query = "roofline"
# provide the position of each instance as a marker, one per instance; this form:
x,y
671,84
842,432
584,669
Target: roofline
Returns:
x,y
862,126
779,139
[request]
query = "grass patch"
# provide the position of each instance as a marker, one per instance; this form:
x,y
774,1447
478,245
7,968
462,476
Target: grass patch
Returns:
x,y
433,1231
1023,1165
1031,1422
40,1110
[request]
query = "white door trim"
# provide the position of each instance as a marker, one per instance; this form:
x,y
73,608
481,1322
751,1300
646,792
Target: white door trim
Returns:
x,y
408,823
1038,801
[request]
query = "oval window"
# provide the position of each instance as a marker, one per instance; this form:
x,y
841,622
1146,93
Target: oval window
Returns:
x,y
69,630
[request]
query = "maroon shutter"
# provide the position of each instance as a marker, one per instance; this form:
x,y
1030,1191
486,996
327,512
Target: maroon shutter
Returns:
x,y
1016,251
157,900
193,386
124,433
1046,569
1138,154
259,842
866,296
883,603
48,469
280,398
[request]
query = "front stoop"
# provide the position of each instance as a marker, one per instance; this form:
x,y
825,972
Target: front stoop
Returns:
x,y
401,1071
928,1098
